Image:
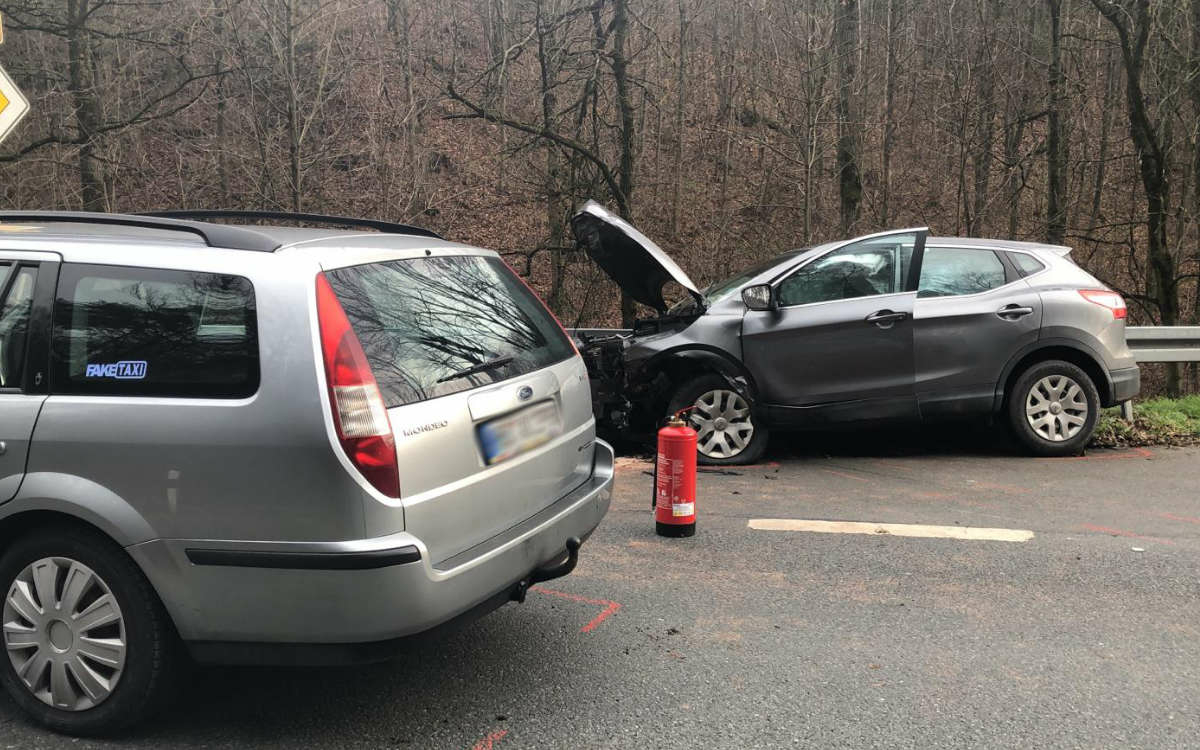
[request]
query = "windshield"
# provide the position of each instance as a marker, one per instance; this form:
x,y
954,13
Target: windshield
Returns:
x,y
435,326
722,289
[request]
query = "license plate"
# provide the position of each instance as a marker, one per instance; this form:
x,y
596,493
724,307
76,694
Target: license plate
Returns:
x,y
506,437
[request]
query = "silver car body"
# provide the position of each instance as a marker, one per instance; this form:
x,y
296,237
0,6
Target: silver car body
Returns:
x,y
823,364
319,555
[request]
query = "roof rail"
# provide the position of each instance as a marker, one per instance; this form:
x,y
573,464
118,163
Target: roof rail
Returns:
x,y
342,221
214,235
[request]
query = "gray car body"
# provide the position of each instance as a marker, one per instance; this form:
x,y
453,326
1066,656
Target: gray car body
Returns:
x,y
166,477
822,364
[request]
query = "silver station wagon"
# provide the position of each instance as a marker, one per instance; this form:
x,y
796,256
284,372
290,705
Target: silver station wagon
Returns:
x,y
264,444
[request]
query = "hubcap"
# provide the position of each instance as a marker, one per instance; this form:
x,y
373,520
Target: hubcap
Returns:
x,y
722,422
64,634
1056,408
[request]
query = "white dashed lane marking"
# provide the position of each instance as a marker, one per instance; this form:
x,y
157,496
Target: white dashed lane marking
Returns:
x,y
966,533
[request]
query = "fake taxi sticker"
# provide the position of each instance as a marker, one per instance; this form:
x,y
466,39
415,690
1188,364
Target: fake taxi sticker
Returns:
x,y
123,370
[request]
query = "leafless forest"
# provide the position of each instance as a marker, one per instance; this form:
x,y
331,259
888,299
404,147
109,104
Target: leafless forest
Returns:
x,y
728,130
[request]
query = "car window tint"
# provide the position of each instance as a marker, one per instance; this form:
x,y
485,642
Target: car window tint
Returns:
x,y
14,322
862,269
150,332
949,271
424,322
1026,263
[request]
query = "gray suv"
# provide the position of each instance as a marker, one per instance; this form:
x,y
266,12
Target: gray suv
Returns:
x,y
891,327
265,444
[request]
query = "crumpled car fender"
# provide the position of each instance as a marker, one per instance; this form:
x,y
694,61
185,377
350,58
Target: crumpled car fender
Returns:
x,y
699,358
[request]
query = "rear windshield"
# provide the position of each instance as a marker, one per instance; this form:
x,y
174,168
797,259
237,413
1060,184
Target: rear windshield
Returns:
x,y
423,321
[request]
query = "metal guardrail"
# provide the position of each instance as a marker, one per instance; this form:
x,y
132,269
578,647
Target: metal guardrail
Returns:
x,y
1161,344
1164,343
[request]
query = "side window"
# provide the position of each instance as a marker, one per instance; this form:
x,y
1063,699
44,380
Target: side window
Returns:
x,y
1026,263
16,292
863,269
949,271
147,332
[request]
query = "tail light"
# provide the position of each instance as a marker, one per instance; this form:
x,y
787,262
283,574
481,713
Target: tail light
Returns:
x,y
359,414
1106,298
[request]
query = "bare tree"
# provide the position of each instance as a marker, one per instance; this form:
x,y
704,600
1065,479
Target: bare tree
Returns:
x,y
1056,143
849,141
1132,22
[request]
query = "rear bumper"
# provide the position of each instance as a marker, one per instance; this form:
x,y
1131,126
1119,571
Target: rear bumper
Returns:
x,y
1125,384
283,602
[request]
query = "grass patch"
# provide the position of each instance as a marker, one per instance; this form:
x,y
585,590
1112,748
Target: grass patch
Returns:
x,y
1157,421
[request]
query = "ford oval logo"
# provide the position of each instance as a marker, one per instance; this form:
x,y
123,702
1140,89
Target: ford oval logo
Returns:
x,y
525,393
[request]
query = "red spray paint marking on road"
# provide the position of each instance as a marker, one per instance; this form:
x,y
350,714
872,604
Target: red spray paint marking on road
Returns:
x,y
487,743
610,608
1122,532
1173,517
1131,453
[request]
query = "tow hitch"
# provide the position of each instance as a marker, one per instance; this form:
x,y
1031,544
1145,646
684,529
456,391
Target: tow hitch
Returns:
x,y
546,574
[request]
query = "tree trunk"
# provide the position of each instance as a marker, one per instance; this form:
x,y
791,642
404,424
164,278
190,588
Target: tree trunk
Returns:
x,y
222,149
84,101
680,97
620,32
889,114
1056,143
985,125
845,32
1133,30
1105,130
551,184
293,108
1193,78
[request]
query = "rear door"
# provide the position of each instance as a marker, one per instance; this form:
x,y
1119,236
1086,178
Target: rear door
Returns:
x,y
487,398
26,287
840,346
973,314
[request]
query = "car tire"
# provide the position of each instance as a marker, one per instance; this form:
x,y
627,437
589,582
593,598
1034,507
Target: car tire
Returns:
x,y
111,674
713,392
1052,409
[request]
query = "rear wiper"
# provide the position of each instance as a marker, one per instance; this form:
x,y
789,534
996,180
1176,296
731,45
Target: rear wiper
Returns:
x,y
484,366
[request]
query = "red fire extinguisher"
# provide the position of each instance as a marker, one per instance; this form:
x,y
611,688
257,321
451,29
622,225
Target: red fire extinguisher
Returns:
x,y
675,480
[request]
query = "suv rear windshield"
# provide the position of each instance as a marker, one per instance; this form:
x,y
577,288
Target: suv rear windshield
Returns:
x,y
423,321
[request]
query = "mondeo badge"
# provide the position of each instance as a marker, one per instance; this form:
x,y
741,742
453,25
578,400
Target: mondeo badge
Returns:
x,y
525,393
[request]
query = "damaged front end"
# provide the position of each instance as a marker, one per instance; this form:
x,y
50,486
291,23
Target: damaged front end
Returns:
x,y
603,353
635,373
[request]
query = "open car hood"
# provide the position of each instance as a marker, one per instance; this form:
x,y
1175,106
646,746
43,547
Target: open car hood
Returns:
x,y
629,257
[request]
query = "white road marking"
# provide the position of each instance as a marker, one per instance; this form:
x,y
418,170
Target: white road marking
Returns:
x,y
892,529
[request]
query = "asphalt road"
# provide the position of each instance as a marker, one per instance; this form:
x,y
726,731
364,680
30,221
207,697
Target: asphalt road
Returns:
x,y
742,638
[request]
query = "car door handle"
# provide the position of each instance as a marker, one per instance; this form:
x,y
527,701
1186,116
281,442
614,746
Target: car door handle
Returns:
x,y
1012,312
884,318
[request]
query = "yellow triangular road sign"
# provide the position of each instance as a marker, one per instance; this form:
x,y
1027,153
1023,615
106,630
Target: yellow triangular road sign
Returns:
x,y
13,105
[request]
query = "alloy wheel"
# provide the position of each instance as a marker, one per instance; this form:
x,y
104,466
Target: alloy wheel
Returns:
x,y
64,633
722,422
1056,408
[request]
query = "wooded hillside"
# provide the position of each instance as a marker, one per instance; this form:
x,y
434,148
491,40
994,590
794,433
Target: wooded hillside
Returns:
x,y
727,130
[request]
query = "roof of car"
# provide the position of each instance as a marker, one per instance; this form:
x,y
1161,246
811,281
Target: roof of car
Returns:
x,y
998,244
97,227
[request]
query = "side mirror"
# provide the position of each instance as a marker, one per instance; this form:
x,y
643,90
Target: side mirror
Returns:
x,y
760,297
